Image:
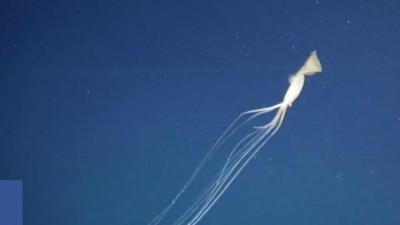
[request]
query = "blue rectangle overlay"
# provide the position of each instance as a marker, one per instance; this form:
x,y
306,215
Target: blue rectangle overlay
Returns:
x,y
11,202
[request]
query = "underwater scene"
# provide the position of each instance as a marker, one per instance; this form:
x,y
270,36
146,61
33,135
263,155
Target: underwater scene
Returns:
x,y
200,112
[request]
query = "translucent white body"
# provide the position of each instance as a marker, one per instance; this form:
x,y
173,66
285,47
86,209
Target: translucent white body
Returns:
x,y
244,150
310,67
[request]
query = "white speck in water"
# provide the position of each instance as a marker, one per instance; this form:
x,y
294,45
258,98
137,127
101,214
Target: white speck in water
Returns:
x,y
339,176
371,171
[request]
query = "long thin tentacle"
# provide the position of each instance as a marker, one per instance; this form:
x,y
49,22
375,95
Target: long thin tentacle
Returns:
x,y
229,131
264,136
243,152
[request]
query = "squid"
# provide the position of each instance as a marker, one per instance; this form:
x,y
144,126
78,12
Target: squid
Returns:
x,y
242,152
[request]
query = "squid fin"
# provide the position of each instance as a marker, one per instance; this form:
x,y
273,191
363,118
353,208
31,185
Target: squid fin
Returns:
x,y
312,65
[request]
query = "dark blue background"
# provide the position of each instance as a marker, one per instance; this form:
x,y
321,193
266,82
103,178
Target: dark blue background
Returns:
x,y
108,106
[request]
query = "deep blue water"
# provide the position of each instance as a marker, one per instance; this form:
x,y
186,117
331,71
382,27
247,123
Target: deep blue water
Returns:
x,y
107,107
